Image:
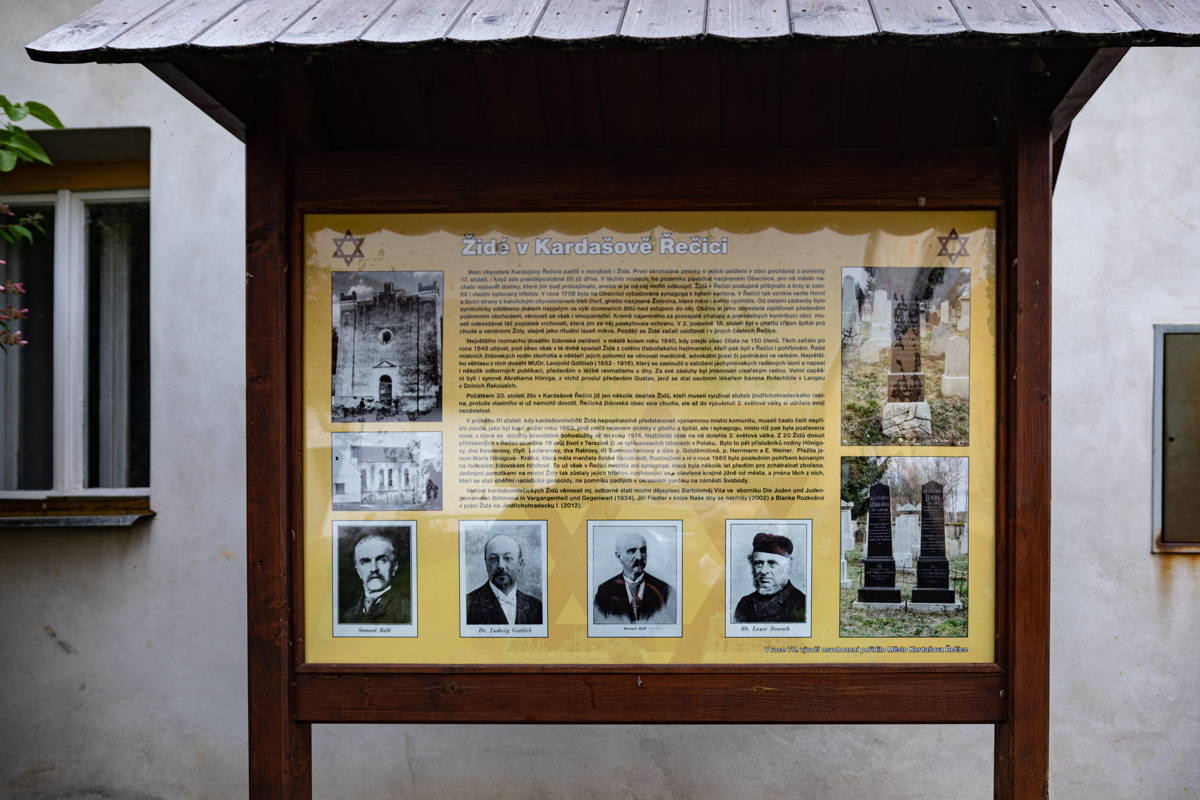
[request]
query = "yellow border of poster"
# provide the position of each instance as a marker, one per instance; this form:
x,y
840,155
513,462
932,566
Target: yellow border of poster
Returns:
x,y
760,246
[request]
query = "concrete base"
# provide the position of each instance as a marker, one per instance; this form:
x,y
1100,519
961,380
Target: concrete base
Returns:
x,y
955,386
907,420
877,606
934,608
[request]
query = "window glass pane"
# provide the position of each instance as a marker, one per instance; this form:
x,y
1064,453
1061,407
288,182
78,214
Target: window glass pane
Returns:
x,y
118,281
1181,437
27,373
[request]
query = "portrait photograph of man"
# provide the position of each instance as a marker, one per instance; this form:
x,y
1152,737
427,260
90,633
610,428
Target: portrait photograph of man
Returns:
x,y
502,568
374,579
634,577
768,575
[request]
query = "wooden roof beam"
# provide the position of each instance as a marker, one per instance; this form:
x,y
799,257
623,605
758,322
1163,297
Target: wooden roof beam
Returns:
x,y
216,88
1094,72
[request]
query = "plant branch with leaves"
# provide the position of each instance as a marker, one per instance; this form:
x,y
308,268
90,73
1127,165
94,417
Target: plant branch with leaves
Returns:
x,y
18,147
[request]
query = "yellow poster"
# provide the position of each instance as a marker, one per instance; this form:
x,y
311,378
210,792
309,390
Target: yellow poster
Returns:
x,y
621,438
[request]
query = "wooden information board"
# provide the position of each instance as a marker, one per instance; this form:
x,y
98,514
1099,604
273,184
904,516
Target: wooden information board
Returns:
x,y
499,473
658,438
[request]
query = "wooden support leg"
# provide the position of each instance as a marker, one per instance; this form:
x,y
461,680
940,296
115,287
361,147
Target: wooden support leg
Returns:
x,y
1023,741
280,747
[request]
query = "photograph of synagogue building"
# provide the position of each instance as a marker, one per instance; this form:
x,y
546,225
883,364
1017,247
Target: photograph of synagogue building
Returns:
x,y
387,471
387,350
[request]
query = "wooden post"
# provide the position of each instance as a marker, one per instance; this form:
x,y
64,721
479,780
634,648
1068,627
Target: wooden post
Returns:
x,y
1022,745
280,747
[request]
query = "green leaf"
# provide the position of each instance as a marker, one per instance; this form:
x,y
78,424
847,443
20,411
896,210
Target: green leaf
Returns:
x,y
8,160
43,114
16,111
28,147
5,106
6,236
21,231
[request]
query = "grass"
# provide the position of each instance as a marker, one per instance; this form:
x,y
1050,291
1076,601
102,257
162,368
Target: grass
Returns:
x,y
864,392
900,623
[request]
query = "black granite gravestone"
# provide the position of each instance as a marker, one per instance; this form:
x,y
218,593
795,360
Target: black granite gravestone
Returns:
x,y
933,570
879,568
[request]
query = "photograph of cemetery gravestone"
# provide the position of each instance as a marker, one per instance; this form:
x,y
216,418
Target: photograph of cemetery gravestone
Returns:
x,y
904,547
387,471
905,355
387,346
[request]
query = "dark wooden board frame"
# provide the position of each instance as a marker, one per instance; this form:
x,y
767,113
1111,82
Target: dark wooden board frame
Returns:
x,y
287,179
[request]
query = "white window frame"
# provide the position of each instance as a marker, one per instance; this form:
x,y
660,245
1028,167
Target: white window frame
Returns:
x,y
70,342
1157,545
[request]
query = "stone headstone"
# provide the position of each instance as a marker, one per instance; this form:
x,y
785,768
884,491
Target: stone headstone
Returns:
x,y
879,568
908,531
933,569
869,350
880,338
847,540
850,320
953,541
956,380
964,314
883,311
906,414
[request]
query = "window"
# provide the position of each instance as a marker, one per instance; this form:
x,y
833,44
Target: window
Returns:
x,y
75,401
1176,439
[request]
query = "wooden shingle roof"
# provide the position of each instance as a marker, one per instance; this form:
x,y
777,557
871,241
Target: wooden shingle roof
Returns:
x,y
143,30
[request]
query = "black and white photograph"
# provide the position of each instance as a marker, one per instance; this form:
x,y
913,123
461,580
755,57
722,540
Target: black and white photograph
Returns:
x,y
904,546
375,578
635,574
768,575
502,573
387,471
387,346
905,346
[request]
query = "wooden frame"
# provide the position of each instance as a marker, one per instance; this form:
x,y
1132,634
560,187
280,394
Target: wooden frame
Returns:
x,y
286,179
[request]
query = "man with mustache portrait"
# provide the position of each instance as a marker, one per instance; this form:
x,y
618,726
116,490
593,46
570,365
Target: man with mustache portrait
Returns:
x,y
499,601
380,602
634,595
775,598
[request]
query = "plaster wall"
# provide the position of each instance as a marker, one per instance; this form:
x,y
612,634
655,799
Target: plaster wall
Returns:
x,y
1125,626
122,652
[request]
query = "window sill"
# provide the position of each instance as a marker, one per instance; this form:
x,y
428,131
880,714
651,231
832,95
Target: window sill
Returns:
x,y
74,511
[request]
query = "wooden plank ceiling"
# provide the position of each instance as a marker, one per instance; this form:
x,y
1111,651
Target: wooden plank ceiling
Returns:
x,y
886,97
142,30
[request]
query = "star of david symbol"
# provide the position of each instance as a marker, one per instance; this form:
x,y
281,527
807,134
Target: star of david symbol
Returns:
x,y
945,242
349,239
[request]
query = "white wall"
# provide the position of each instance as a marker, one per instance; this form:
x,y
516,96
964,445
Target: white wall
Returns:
x,y
141,693
150,696
1125,633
